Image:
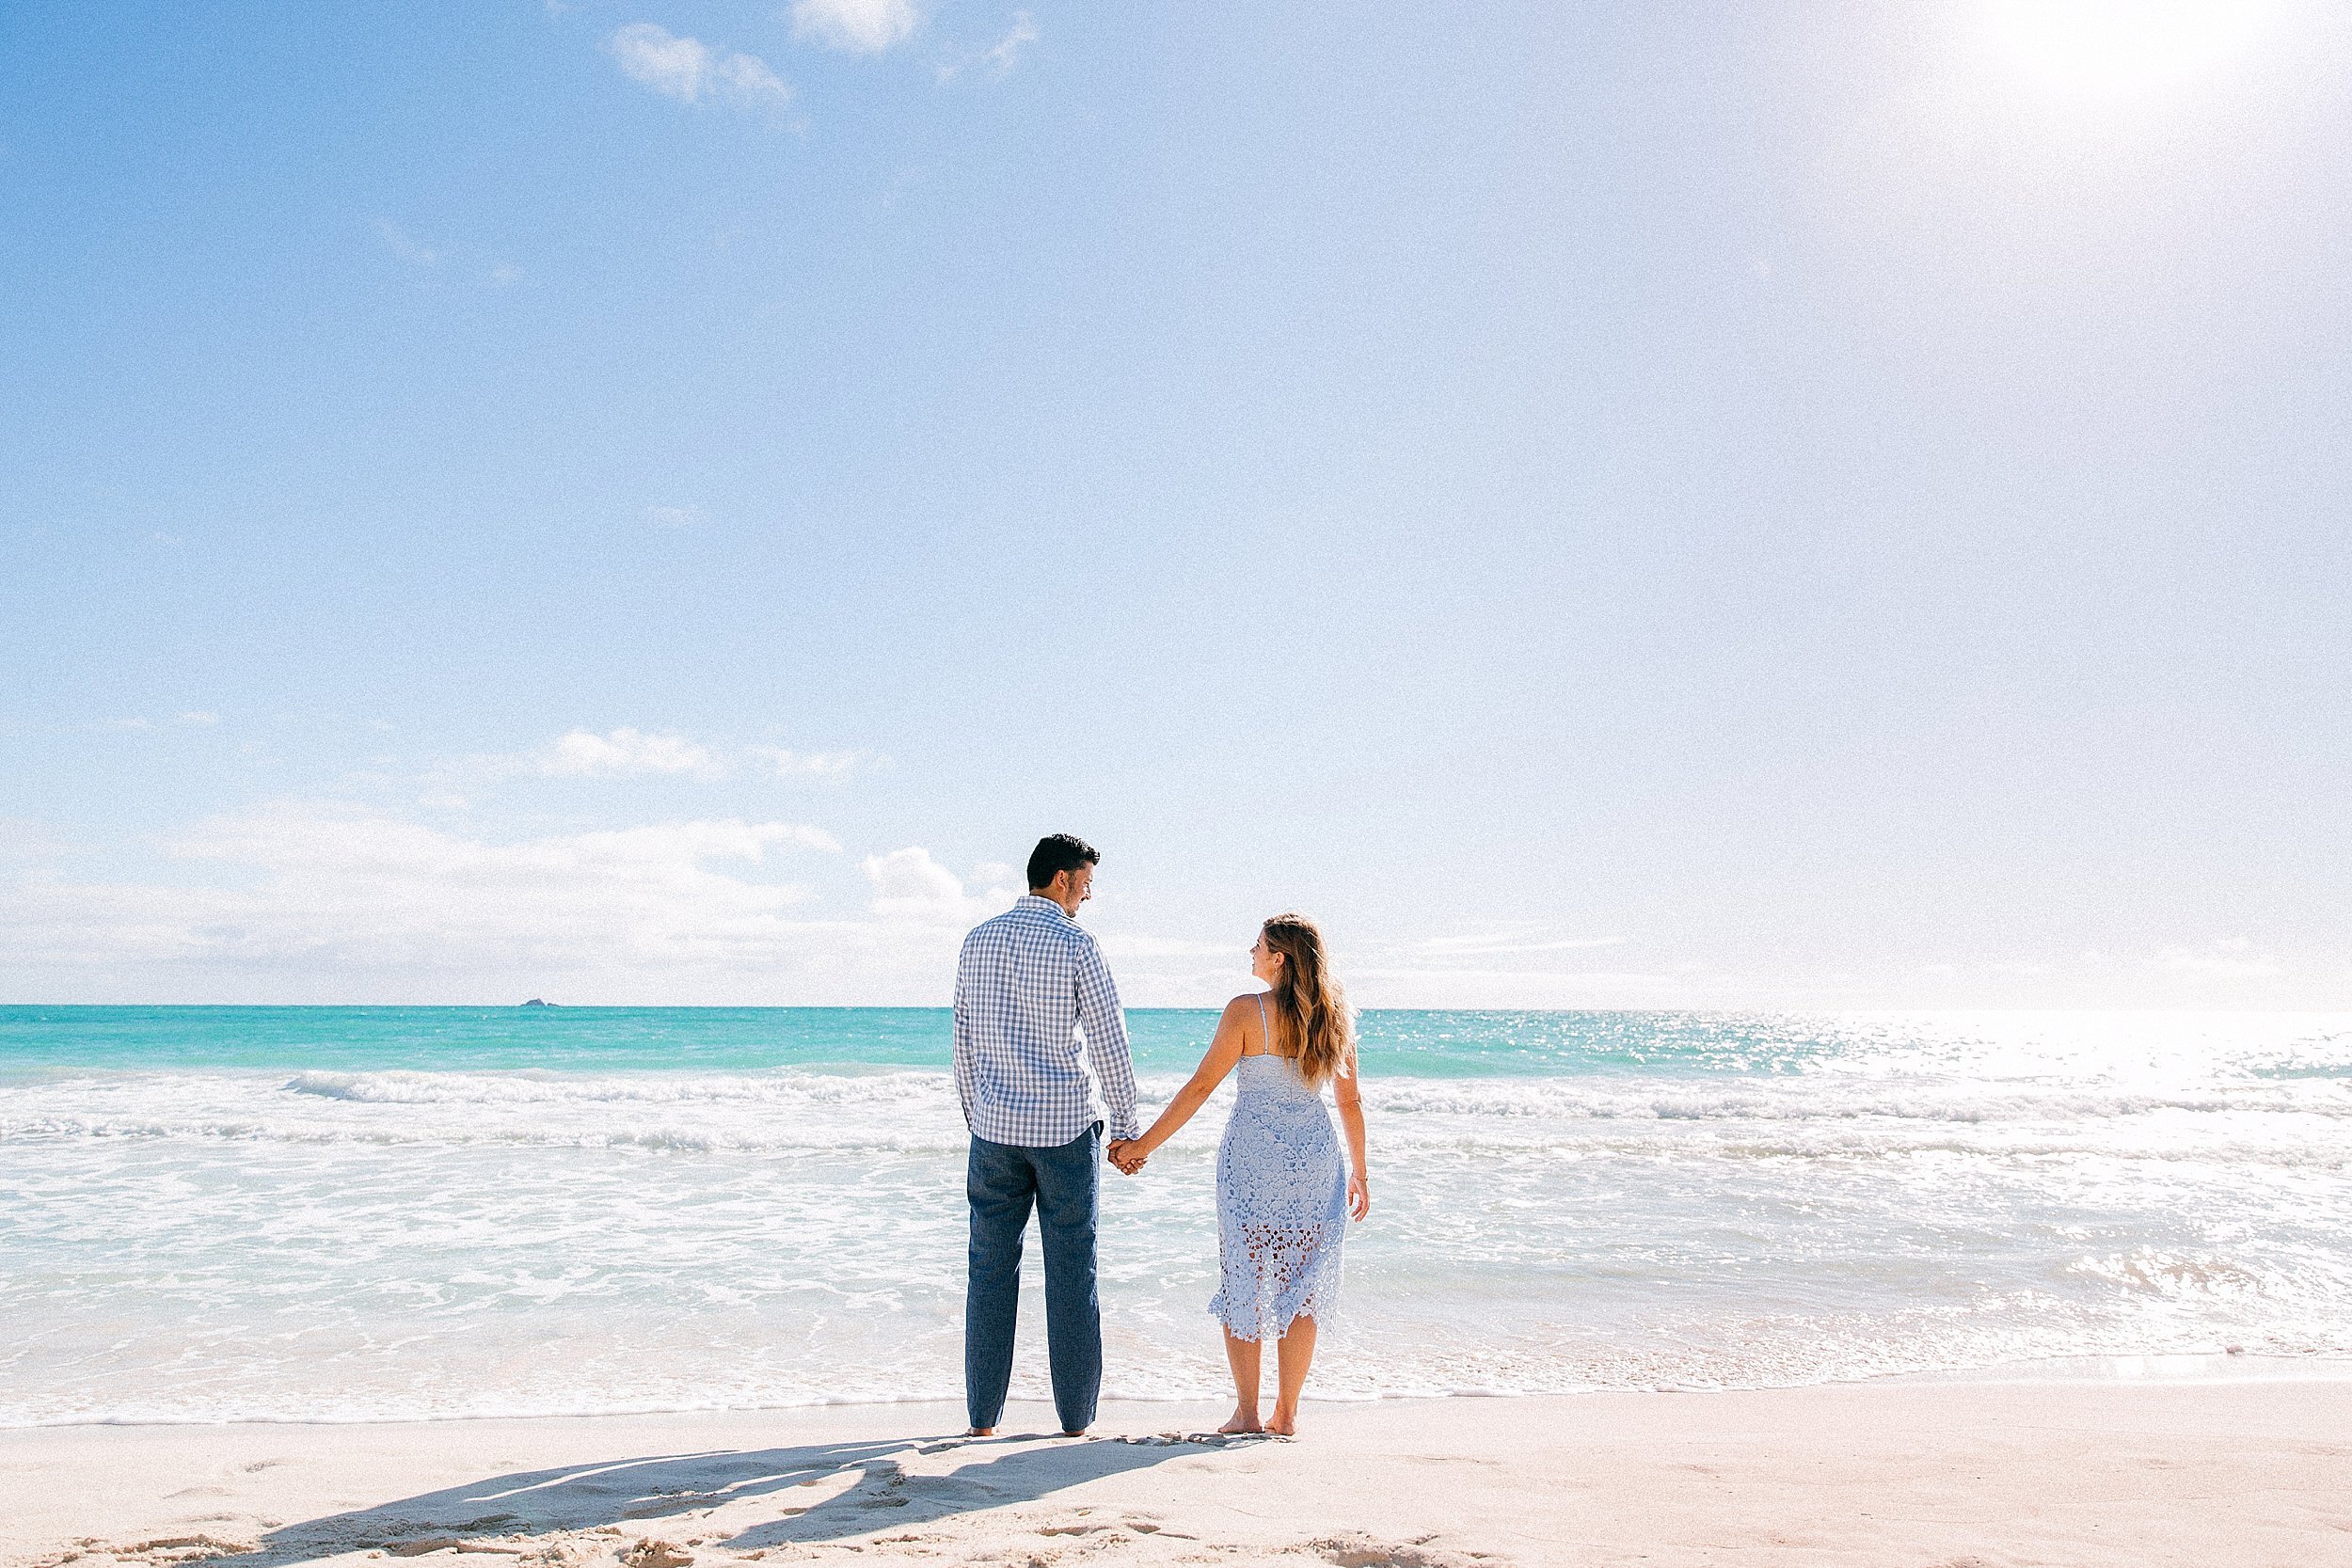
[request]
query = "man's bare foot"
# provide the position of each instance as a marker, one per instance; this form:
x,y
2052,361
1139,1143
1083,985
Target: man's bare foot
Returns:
x,y
1283,1425
980,1432
1242,1421
1068,1433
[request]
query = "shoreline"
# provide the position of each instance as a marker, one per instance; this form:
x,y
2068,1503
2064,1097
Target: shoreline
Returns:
x,y
2245,1473
2152,1370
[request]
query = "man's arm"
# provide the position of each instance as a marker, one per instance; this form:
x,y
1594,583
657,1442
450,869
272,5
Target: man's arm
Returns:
x,y
966,1051
1105,1029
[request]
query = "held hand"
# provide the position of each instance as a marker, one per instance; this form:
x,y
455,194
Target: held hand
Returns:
x,y
1359,1196
1123,1154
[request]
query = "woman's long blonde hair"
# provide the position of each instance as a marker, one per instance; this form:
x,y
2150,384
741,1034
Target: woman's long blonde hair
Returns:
x,y
1312,1018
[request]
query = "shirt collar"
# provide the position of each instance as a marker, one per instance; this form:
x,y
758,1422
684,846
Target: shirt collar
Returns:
x,y
1034,902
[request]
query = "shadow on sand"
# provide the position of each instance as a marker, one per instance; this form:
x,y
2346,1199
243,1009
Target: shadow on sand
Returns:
x,y
876,1488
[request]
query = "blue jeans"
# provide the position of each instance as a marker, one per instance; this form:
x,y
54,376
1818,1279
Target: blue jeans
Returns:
x,y
1003,1181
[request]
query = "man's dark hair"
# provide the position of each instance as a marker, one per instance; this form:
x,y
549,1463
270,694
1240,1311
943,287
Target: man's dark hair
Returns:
x,y
1059,853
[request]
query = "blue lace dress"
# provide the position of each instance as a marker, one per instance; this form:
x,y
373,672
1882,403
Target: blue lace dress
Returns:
x,y
1282,1202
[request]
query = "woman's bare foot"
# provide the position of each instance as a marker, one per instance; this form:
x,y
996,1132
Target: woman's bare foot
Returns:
x,y
1285,1422
1243,1420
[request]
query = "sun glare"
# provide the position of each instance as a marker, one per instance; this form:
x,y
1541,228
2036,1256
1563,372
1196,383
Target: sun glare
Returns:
x,y
2122,47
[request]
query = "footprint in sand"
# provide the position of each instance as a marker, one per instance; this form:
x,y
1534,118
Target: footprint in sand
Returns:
x,y
1135,1525
1363,1551
163,1549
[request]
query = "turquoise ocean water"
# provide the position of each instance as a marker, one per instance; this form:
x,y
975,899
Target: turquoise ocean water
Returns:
x,y
349,1213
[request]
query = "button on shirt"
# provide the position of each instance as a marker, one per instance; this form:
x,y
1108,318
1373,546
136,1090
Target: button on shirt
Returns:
x,y
1030,984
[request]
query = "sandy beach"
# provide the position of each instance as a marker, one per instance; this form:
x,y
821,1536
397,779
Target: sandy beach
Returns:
x,y
2229,1475
730,730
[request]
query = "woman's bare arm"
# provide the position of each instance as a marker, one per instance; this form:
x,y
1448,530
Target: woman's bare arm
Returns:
x,y
1349,1094
1224,1050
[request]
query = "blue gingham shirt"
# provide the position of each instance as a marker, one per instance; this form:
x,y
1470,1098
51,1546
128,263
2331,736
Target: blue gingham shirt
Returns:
x,y
1029,983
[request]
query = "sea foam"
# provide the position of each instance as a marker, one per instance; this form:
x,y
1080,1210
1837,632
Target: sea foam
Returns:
x,y
1682,1202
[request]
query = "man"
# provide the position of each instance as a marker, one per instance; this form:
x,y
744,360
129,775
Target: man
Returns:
x,y
1035,1010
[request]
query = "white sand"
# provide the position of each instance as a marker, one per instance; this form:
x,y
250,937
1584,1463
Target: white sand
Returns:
x,y
1922,1476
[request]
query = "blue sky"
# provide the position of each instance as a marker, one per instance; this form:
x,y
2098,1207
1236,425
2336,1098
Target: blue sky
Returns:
x,y
1795,506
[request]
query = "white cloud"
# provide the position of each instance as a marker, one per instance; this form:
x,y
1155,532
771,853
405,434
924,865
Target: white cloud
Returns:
x,y
861,26
910,885
1383,986
337,890
693,71
1179,947
2231,958
1517,938
909,881
133,722
1006,52
200,719
786,764
628,753
397,241
506,275
321,901
21,838
310,901
674,516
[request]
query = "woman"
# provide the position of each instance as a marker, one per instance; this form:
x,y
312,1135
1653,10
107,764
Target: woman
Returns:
x,y
1284,1197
